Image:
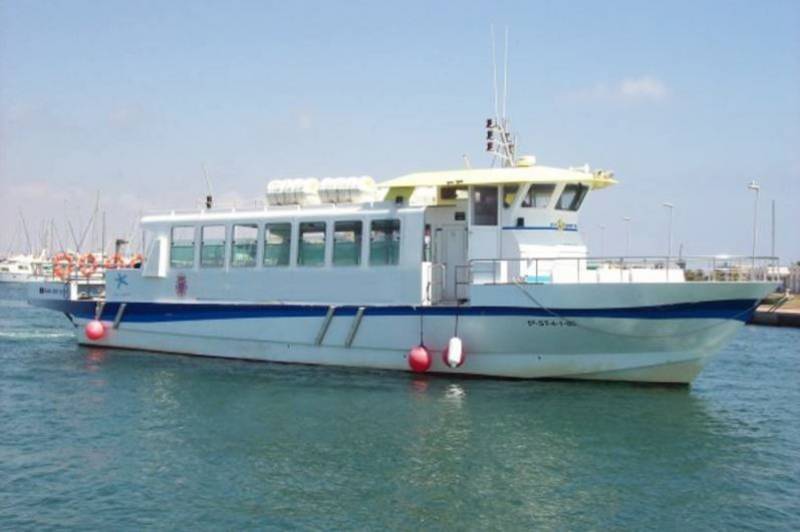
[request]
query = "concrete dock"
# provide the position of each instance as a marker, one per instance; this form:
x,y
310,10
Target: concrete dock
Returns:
x,y
784,315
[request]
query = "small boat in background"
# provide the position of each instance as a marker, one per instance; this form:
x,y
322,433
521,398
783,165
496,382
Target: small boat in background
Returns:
x,y
25,268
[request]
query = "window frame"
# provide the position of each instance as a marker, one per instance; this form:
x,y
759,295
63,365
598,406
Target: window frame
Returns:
x,y
399,231
287,242
527,198
252,225
224,246
516,189
172,265
577,200
449,193
359,243
325,239
473,204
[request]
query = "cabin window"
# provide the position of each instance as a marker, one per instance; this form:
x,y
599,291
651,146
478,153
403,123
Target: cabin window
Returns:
x,y
509,195
484,206
538,196
212,246
277,244
384,242
347,243
452,193
311,250
572,197
244,245
181,252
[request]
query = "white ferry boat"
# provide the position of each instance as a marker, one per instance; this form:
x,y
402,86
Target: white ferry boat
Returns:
x,y
468,272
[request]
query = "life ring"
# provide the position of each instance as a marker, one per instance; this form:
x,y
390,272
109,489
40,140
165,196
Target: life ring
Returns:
x,y
87,264
62,265
113,262
136,261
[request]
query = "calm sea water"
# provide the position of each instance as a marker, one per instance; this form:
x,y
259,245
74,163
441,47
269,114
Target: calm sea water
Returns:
x,y
92,438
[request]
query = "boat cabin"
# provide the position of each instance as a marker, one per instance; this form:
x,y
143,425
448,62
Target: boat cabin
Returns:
x,y
423,239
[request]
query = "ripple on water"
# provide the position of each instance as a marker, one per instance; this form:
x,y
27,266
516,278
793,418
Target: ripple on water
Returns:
x,y
26,335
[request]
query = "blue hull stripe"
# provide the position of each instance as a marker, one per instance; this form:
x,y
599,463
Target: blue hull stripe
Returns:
x,y
738,309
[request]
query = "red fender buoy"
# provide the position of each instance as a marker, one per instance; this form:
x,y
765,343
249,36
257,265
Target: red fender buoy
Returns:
x,y
95,330
419,359
453,355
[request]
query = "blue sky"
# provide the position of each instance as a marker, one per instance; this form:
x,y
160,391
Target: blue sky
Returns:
x,y
685,101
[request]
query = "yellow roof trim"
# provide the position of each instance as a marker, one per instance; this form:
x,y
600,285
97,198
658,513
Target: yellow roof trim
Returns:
x,y
498,176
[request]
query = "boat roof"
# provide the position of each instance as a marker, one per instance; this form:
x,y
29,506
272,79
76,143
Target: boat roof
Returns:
x,y
459,177
279,213
496,176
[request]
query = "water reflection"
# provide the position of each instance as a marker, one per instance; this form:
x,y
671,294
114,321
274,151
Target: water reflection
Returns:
x,y
455,394
95,357
419,385
553,449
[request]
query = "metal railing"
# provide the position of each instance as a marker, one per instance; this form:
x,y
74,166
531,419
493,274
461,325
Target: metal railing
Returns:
x,y
548,270
47,271
437,278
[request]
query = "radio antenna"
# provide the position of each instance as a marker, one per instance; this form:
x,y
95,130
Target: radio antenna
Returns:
x,y
500,143
494,75
209,192
505,77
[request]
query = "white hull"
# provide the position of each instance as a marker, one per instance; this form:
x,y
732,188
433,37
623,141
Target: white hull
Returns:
x,y
598,349
629,332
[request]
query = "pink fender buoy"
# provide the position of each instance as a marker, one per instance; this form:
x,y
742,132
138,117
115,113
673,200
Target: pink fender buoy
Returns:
x,y
95,330
453,355
419,359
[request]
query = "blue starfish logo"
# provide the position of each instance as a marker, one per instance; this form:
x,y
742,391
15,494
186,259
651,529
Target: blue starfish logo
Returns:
x,y
121,280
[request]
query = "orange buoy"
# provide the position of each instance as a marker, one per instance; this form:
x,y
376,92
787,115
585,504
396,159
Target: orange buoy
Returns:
x,y
94,330
419,359
62,265
113,262
87,264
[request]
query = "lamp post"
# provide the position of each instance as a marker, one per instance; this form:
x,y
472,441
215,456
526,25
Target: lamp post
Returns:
x,y
755,187
627,220
670,207
772,247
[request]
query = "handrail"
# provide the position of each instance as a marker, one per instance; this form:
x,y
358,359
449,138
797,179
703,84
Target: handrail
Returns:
x,y
98,275
709,268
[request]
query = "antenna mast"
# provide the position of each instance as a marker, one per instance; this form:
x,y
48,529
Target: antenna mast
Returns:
x,y
500,143
209,192
494,73
505,77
